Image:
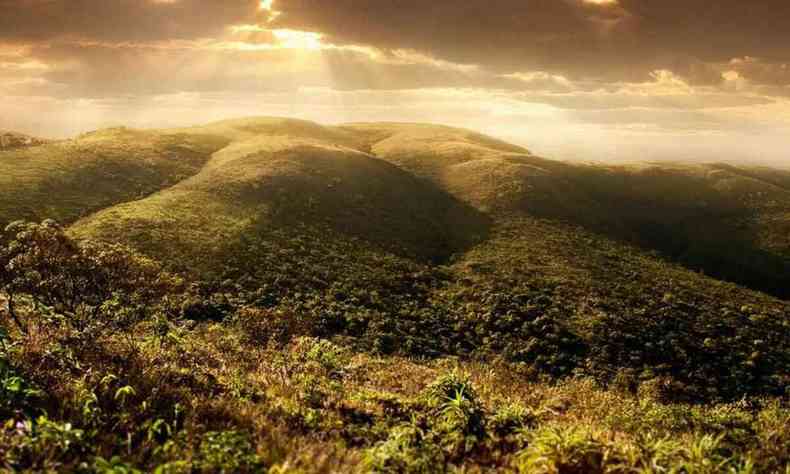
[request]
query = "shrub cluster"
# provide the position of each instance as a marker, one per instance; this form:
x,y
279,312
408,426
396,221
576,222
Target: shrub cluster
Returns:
x,y
108,363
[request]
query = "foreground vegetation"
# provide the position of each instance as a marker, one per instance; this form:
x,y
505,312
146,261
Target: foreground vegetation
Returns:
x,y
112,364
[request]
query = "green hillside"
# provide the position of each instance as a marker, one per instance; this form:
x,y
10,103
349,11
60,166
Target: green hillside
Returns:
x,y
726,221
292,297
306,220
69,179
731,223
272,183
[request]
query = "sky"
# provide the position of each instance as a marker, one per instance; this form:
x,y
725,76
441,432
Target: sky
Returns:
x,y
586,80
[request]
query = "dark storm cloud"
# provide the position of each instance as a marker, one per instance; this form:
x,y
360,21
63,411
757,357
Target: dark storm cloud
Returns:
x,y
762,72
584,40
120,20
714,30
623,40
504,35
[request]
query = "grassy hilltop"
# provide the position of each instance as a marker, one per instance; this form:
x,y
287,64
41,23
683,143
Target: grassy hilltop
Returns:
x,y
69,179
294,297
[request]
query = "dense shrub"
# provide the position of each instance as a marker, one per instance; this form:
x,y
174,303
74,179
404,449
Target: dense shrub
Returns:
x,y
88,284
417,369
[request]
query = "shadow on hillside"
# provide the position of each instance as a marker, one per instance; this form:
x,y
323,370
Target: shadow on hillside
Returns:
x,y
682,218
443,228
728,253
718,251
355,197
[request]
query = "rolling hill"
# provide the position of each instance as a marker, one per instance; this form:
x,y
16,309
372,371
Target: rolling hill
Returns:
x,y
445,189
69,179
270,181
429,218
729,222
631,299
294,209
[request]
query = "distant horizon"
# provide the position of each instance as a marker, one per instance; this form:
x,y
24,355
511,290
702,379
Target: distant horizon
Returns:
x,y
545,148
581,80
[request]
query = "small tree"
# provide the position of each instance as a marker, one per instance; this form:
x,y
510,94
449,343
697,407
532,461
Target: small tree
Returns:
x,y
87,283
6,286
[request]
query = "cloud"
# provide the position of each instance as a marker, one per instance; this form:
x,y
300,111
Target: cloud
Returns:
x,y
613,41
762,72
582,40
666,90
553,75
270,61
120,20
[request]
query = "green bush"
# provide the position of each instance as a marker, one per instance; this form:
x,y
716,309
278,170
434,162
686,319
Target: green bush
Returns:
x,y
511,419
455,416
408,450
227,452
563,451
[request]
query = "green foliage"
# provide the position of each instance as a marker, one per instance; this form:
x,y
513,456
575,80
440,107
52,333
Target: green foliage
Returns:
x,y
69,179
450,426
115,465
42,444
407,450
511,419
227,452
573,449
457,416
323,311
207,308
16,393
563,451
91,285
327,356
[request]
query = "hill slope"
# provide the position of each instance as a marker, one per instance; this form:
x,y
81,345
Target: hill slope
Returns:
x,y
732,223
729,222
274,180
386,298
69,179
352,221
549,264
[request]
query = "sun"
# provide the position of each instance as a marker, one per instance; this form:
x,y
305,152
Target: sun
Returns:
x,y
268,5
292,39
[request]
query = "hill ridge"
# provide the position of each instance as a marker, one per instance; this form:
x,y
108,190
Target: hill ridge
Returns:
x,y
734,226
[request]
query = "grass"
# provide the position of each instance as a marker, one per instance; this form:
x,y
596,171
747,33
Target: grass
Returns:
x,y
70,179
290,184
354,243
215,402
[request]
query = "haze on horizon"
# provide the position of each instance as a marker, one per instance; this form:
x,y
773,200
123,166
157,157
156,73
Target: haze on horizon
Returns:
x,y
623,80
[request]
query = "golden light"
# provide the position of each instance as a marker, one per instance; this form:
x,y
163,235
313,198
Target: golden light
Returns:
x,y
601,2
268,5
293,39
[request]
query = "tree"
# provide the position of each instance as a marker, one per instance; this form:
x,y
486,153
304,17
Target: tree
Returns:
x,y
82,281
